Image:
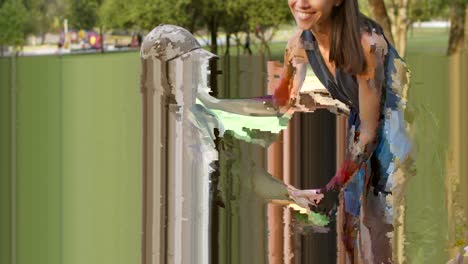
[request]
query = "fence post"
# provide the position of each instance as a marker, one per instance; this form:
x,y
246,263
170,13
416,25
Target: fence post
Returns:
x,y
176,155
13,93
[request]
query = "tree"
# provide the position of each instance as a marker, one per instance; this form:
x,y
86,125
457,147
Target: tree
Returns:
x,y
145,14
265,17
379,13
42,15
457,26
13,19
396,16
423,10
154,12
233,16
211,12
83,14
118,14
235,21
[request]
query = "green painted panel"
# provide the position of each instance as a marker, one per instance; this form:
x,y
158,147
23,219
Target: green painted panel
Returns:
x,y
38,160
5,137
102,159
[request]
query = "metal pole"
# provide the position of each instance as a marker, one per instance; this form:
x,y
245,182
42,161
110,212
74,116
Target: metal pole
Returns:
x,y
13,156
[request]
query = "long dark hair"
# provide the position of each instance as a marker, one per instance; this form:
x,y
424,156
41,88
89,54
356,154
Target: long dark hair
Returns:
x,y
345,38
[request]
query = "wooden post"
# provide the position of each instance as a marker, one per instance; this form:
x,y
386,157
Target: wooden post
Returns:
x,y
176,174
275,168
154,164
341,130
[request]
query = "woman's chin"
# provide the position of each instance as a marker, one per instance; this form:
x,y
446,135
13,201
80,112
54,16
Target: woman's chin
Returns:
x,y
305,25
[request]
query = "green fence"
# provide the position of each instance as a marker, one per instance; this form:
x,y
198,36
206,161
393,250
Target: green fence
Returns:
x,y
76,155
76,159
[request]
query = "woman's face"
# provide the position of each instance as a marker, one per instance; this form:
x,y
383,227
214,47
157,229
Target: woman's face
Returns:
x,y
308,13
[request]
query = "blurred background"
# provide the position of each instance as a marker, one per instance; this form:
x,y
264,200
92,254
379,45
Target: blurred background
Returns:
x,y
71,118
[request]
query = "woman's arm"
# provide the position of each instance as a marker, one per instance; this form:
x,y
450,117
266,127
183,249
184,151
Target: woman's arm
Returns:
x,y
282,92
370,91
293,77
261,106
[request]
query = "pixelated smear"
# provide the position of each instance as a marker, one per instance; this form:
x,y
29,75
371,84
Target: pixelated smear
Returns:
x,y
258,130
243,187
178,82
166,42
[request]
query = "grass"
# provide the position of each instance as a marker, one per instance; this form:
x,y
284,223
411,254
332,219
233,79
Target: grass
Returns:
x,y
428,40
420,41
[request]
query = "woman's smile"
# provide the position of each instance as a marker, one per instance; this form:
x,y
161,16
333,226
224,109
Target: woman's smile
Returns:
x,y
305,15
309,13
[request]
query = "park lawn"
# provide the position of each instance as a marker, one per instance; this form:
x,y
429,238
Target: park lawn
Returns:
x,y
428,41
420,41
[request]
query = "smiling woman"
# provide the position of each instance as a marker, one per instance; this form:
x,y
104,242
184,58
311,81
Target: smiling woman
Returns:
x,y
353,59
343,26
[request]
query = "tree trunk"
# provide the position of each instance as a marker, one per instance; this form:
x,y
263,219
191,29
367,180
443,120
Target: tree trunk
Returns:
x,y
466,29
193,20
214,35
457,26
398,14
227,44
43,36
101,39
264,40
379,12
238,43
266,49
247,44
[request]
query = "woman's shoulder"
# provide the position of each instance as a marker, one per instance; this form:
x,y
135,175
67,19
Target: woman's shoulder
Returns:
x,y
375,49
295,47
373,42
295,40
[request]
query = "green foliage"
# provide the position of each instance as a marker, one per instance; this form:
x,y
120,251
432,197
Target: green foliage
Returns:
x,y
144,14
264,19
41,15
150,13
117,14
364,7
22,17
267,13
83,14
231,15
236,19
423,10
419,10
13,19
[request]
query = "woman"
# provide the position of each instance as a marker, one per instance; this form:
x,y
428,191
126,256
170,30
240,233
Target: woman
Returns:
x,y
352,58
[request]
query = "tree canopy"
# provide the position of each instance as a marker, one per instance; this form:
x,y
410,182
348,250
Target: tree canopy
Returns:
x,y
13,22
261,18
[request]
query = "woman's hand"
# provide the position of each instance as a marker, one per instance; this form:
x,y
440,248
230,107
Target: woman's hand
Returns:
x,y
305,198
318,200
